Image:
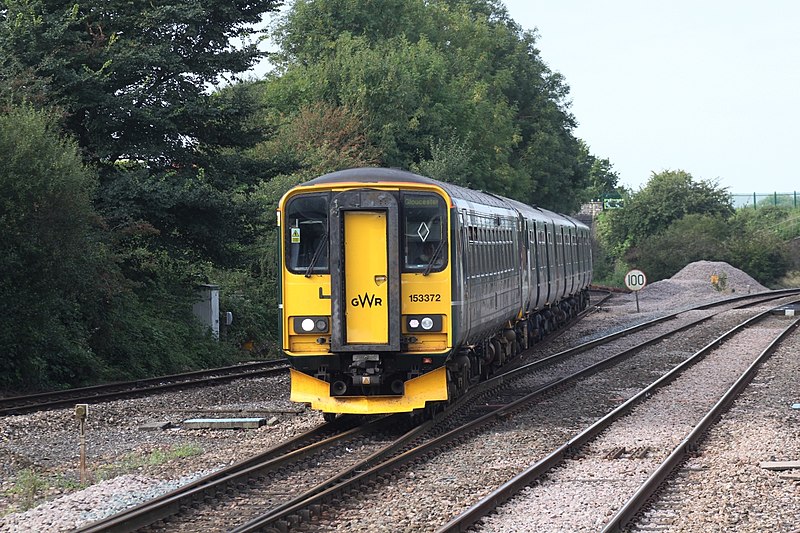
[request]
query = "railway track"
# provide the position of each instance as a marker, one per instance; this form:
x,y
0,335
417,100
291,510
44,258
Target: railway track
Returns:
x,y
613,465
304,465
49,400
268,474
393,461
477,415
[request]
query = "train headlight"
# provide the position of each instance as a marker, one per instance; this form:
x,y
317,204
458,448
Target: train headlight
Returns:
x,y
424,322
310,324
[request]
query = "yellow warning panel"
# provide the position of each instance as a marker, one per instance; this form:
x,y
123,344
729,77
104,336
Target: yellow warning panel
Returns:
x,y
366,277
431,386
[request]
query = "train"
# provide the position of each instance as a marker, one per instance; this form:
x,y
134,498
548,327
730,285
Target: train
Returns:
x,y
398,292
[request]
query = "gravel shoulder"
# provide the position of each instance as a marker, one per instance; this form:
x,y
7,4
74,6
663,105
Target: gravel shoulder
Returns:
x,y
39,487
128,464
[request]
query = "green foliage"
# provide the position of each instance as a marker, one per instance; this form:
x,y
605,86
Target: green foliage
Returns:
x,y
604,264
452,89
719,282
148,328
449,161
777,200
250,296
179,210
747,241
757,247
74,311
784,221
667,197
28,485
319,138
688,239
674,221
131,81
132,77
114,282
182,182
603,180
53,263
158,456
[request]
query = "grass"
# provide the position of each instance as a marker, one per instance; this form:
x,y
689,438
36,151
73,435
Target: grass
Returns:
x,y
134,461
27,486
30,485
790,280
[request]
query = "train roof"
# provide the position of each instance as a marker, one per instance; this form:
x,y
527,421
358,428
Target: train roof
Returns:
x,y
377,175
368,175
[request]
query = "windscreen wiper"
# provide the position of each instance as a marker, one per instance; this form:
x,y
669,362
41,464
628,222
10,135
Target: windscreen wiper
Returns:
x,y
317,253
433,258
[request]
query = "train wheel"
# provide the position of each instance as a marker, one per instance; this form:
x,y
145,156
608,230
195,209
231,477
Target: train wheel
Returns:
x,y
432,409
452,392
329,417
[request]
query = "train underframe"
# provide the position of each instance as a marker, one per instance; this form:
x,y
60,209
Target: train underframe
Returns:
x,y
475,363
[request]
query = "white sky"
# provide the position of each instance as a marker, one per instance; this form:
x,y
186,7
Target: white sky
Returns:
x,y
710,87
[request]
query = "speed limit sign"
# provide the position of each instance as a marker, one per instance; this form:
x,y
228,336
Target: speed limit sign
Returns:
x,y
635,280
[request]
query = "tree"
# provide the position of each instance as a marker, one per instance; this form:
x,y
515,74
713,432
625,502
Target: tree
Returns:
x,y
132,78
132,81
691,238
667,197
53,264
133,85
436,82
760,241
603,179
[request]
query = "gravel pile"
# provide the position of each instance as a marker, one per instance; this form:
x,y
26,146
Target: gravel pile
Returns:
x,y
693,283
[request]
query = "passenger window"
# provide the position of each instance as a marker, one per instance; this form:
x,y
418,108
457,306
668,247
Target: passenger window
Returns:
x,y
307,234
424,233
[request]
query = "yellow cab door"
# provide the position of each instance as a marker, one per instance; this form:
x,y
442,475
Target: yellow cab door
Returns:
x,y
364,237
365,278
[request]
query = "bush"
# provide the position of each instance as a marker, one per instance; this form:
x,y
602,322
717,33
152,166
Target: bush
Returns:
x,y
691,238
74,312
52,262
761,254
148,327
255,311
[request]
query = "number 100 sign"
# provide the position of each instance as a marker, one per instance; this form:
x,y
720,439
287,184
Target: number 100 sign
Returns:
x,y
635,280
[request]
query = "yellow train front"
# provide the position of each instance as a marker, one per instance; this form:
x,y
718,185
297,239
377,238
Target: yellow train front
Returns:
x,y
399,291
365,291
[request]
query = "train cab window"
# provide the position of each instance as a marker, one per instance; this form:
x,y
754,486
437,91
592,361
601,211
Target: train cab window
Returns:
x,y
307,234
424,233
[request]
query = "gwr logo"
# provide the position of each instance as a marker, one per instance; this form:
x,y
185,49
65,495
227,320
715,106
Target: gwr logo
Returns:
x,y
366,300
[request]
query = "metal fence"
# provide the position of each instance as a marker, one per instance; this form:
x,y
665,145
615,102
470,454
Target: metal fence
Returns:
x,y
757,200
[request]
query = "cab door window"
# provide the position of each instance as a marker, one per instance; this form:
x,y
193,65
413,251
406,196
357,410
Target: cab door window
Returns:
x,y
424,241
306,234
